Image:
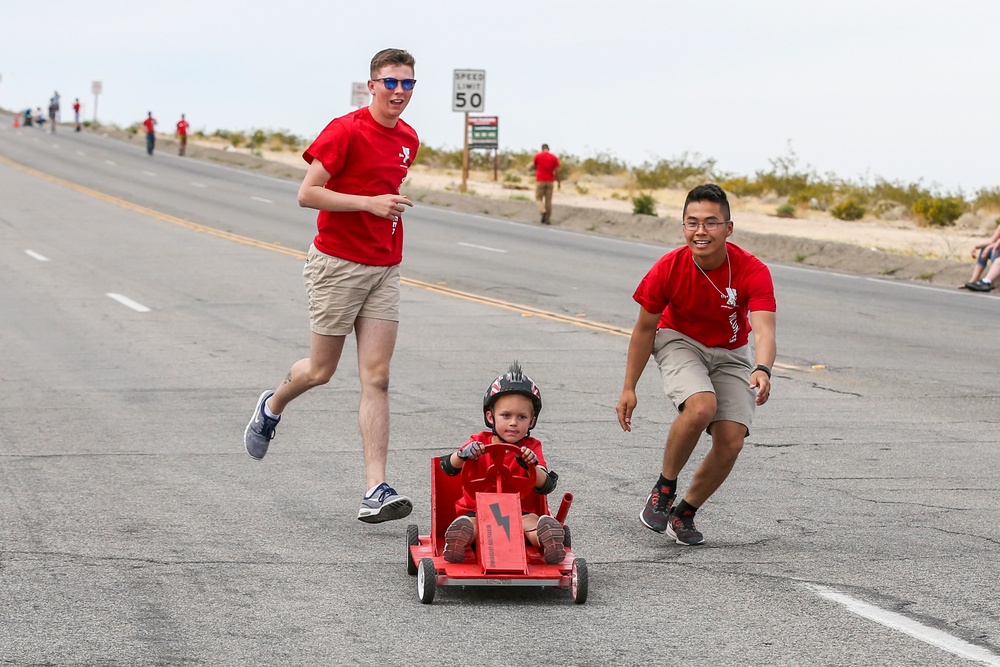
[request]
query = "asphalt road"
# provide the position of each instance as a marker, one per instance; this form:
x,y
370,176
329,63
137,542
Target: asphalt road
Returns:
x,y
860,526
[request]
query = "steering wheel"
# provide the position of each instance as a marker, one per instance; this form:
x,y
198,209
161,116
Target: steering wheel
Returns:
x,y
498,477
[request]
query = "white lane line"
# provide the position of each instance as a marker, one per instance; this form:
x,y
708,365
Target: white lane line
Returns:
x,y
149,173
908,626
110,162
125,301
261,199
39,257
199,185
481,247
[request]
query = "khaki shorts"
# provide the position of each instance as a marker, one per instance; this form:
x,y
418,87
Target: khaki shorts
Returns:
x,y
341,291
688,367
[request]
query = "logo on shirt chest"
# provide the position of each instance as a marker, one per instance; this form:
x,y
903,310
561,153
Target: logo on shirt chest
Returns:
x,y
404,156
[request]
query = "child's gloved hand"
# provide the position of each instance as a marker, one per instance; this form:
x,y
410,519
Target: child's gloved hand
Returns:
x,y
528,456
471,450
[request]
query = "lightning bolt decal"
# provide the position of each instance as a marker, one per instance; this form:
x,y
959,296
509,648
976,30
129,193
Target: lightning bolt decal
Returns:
x,y
502,520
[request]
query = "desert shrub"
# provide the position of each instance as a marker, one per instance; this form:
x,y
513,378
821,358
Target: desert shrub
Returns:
x,y
679,172
741,186
987,199
602,164
786,210
939,211
644,205
888,191
849,209
509,177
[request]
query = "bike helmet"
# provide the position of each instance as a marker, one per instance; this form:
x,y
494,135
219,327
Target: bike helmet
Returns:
x,y
514,381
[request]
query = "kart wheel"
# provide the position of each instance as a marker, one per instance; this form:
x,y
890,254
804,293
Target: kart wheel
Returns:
x,y
567,540
426,581
412,539
580,581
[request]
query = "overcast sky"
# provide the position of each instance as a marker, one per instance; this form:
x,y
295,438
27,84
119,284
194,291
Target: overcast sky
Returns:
x,y
905,90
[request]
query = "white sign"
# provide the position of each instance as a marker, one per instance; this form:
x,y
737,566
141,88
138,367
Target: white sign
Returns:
x,y
469,90
360,97
95,87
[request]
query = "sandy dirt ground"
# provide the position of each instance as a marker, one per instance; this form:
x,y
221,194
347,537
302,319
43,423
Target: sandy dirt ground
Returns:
x,y
891,249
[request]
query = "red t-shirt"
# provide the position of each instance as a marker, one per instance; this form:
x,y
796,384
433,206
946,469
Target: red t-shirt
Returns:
x,y
699,306
182,127
531,503
368,159
149,124
545,166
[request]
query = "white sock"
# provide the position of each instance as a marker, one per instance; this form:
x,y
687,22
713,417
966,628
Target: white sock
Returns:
x,y
372,490
268,413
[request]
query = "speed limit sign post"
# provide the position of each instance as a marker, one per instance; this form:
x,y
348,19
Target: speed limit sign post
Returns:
x,y
468,96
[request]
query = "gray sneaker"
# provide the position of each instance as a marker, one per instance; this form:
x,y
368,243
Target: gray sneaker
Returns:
x,y
550,540
384,504
260,430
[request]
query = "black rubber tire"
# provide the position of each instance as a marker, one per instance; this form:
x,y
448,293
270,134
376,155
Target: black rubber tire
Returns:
x,y
567,540
426,581
581,581
412,539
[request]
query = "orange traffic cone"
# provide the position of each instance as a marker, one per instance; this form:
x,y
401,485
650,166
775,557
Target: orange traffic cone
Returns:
x,y
17,121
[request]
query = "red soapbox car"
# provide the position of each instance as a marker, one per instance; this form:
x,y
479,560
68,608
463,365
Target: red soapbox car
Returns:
x,y
501,557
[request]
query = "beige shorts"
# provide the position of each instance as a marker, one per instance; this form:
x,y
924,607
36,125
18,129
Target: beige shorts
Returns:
x,y
688,367
341,291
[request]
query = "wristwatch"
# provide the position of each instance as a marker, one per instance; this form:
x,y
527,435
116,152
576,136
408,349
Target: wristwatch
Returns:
x,y
761,367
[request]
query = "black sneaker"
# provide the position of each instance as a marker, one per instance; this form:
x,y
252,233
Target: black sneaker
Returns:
x,y
683,530
979,286
654,514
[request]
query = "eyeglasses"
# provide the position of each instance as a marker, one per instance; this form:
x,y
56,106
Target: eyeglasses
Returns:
x,y
390,83
709,225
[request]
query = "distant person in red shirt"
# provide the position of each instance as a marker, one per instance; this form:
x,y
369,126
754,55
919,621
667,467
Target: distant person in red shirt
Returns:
x,y
76,113
150,125
356,167
546,172
182,135
698,305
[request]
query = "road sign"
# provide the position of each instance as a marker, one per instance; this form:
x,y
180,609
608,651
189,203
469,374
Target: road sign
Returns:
x,y
469,90
95,87
483,131
360,96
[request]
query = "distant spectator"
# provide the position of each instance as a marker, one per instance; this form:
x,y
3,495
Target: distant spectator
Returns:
x,y
987,251
984,252
150,125
53,112
182,135
39,118
546,171
29,120
76,113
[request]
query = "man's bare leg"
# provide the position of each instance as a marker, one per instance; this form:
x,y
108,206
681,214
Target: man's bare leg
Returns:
x,y
376,342
316,370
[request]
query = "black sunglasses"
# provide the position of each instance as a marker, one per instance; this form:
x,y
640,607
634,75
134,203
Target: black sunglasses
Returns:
x,y
390,83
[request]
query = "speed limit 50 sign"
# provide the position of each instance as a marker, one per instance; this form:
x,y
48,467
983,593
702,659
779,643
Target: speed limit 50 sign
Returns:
x,y
469,90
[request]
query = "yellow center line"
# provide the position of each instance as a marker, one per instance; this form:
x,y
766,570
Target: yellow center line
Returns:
x,y
298,254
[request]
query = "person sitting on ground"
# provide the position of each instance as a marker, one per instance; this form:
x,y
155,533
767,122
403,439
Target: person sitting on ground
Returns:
x,y
510,409
984,252
985,284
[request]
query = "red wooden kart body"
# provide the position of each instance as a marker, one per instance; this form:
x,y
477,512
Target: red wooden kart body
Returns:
x,y
501,556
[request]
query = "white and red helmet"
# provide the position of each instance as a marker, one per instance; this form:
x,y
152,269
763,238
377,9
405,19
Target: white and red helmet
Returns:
x,y
514,381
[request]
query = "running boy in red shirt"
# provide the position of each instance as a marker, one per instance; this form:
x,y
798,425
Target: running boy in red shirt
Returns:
x,y
510,409
698,305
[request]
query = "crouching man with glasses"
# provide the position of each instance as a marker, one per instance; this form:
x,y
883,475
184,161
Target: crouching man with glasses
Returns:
x,y
698,305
